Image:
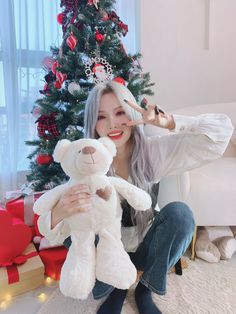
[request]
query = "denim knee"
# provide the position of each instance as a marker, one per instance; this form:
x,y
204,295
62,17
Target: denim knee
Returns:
x,y
179,214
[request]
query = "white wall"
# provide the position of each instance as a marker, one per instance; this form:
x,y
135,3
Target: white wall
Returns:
x,y
188,68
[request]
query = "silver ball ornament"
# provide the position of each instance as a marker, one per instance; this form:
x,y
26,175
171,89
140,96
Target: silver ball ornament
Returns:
x,y
73,88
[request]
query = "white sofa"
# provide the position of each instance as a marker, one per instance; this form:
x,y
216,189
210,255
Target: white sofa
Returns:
x,y
211,189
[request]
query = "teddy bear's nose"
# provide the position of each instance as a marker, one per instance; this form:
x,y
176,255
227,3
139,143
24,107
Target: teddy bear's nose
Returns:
x,y
88,150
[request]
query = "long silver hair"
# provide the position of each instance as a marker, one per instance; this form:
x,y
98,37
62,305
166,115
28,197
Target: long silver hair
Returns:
x,y
141,170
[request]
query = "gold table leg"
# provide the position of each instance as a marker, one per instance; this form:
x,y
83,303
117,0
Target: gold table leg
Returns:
x,y
193,243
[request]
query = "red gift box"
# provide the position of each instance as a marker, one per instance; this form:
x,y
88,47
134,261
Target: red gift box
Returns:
x,y
22,206
53,259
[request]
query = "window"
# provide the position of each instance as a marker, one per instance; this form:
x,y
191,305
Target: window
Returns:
x,y
31,30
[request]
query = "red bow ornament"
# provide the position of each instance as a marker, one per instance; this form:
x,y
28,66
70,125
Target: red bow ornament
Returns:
x,y
47,127
61,77
54,67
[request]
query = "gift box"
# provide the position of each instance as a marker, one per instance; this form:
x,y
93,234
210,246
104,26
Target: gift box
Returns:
x,y
21,206
18,279
53,260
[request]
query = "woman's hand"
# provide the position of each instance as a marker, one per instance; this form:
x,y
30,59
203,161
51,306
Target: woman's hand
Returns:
x,y
75,200
151,114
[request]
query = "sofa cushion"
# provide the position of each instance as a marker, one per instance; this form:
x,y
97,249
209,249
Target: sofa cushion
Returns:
x,y
213,193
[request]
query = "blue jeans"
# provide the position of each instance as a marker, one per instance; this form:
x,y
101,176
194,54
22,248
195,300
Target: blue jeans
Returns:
x,y
165,242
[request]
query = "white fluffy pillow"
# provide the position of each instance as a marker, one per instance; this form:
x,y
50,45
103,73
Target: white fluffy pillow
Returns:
x,y
218,232
226,246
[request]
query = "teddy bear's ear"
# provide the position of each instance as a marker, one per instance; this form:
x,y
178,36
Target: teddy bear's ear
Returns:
x,y
60,149
109,144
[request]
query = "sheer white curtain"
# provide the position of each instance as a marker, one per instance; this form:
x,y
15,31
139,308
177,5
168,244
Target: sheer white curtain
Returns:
x,y
27,30
128,11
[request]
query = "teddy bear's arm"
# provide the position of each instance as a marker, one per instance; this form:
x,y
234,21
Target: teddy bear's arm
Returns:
x,y
136,197
56,235
49,199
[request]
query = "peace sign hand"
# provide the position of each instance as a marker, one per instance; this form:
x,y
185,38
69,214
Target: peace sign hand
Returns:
x,y
152,114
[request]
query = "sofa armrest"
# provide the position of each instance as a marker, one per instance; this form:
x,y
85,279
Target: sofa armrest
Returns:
x,y
174,188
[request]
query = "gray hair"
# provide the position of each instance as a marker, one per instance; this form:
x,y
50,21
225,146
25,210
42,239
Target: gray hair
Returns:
x,y
141,170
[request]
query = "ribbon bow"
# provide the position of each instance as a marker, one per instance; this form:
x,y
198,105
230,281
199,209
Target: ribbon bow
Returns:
x,y
19,260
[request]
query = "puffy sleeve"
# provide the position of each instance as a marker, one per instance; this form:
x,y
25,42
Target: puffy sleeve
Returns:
x,y
58,234
194,142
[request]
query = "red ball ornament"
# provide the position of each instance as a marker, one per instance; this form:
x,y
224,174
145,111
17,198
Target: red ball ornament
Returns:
x,y
57,85
60,18
44,159
120,80
72,41
99,37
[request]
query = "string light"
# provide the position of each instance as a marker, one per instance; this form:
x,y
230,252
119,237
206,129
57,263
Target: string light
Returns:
x,y
42,297
3,305
8,297
48,280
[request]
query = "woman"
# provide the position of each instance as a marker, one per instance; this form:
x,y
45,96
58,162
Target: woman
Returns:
x,y
155,239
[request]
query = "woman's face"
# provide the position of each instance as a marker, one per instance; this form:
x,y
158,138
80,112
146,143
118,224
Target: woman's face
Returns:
x,y
112,119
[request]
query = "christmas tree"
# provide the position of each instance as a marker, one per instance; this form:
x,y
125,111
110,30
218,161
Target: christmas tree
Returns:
x,y
91,50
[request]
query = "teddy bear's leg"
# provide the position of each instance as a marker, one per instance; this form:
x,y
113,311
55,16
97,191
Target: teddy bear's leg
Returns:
x,y
78,272
205,249
113,265
226,246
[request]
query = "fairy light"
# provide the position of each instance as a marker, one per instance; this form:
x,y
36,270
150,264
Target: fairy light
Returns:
x,y
48,280
42,297
8,297
3,305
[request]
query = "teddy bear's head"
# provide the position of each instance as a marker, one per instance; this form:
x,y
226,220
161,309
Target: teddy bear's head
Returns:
x,y
85,156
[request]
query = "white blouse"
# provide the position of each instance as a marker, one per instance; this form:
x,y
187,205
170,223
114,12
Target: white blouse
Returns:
x,y
194,142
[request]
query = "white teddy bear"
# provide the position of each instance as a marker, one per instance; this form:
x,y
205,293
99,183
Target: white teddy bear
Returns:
x,y
87,161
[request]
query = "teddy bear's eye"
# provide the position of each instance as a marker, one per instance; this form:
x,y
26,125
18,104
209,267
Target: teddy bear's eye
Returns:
x,y
79,151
